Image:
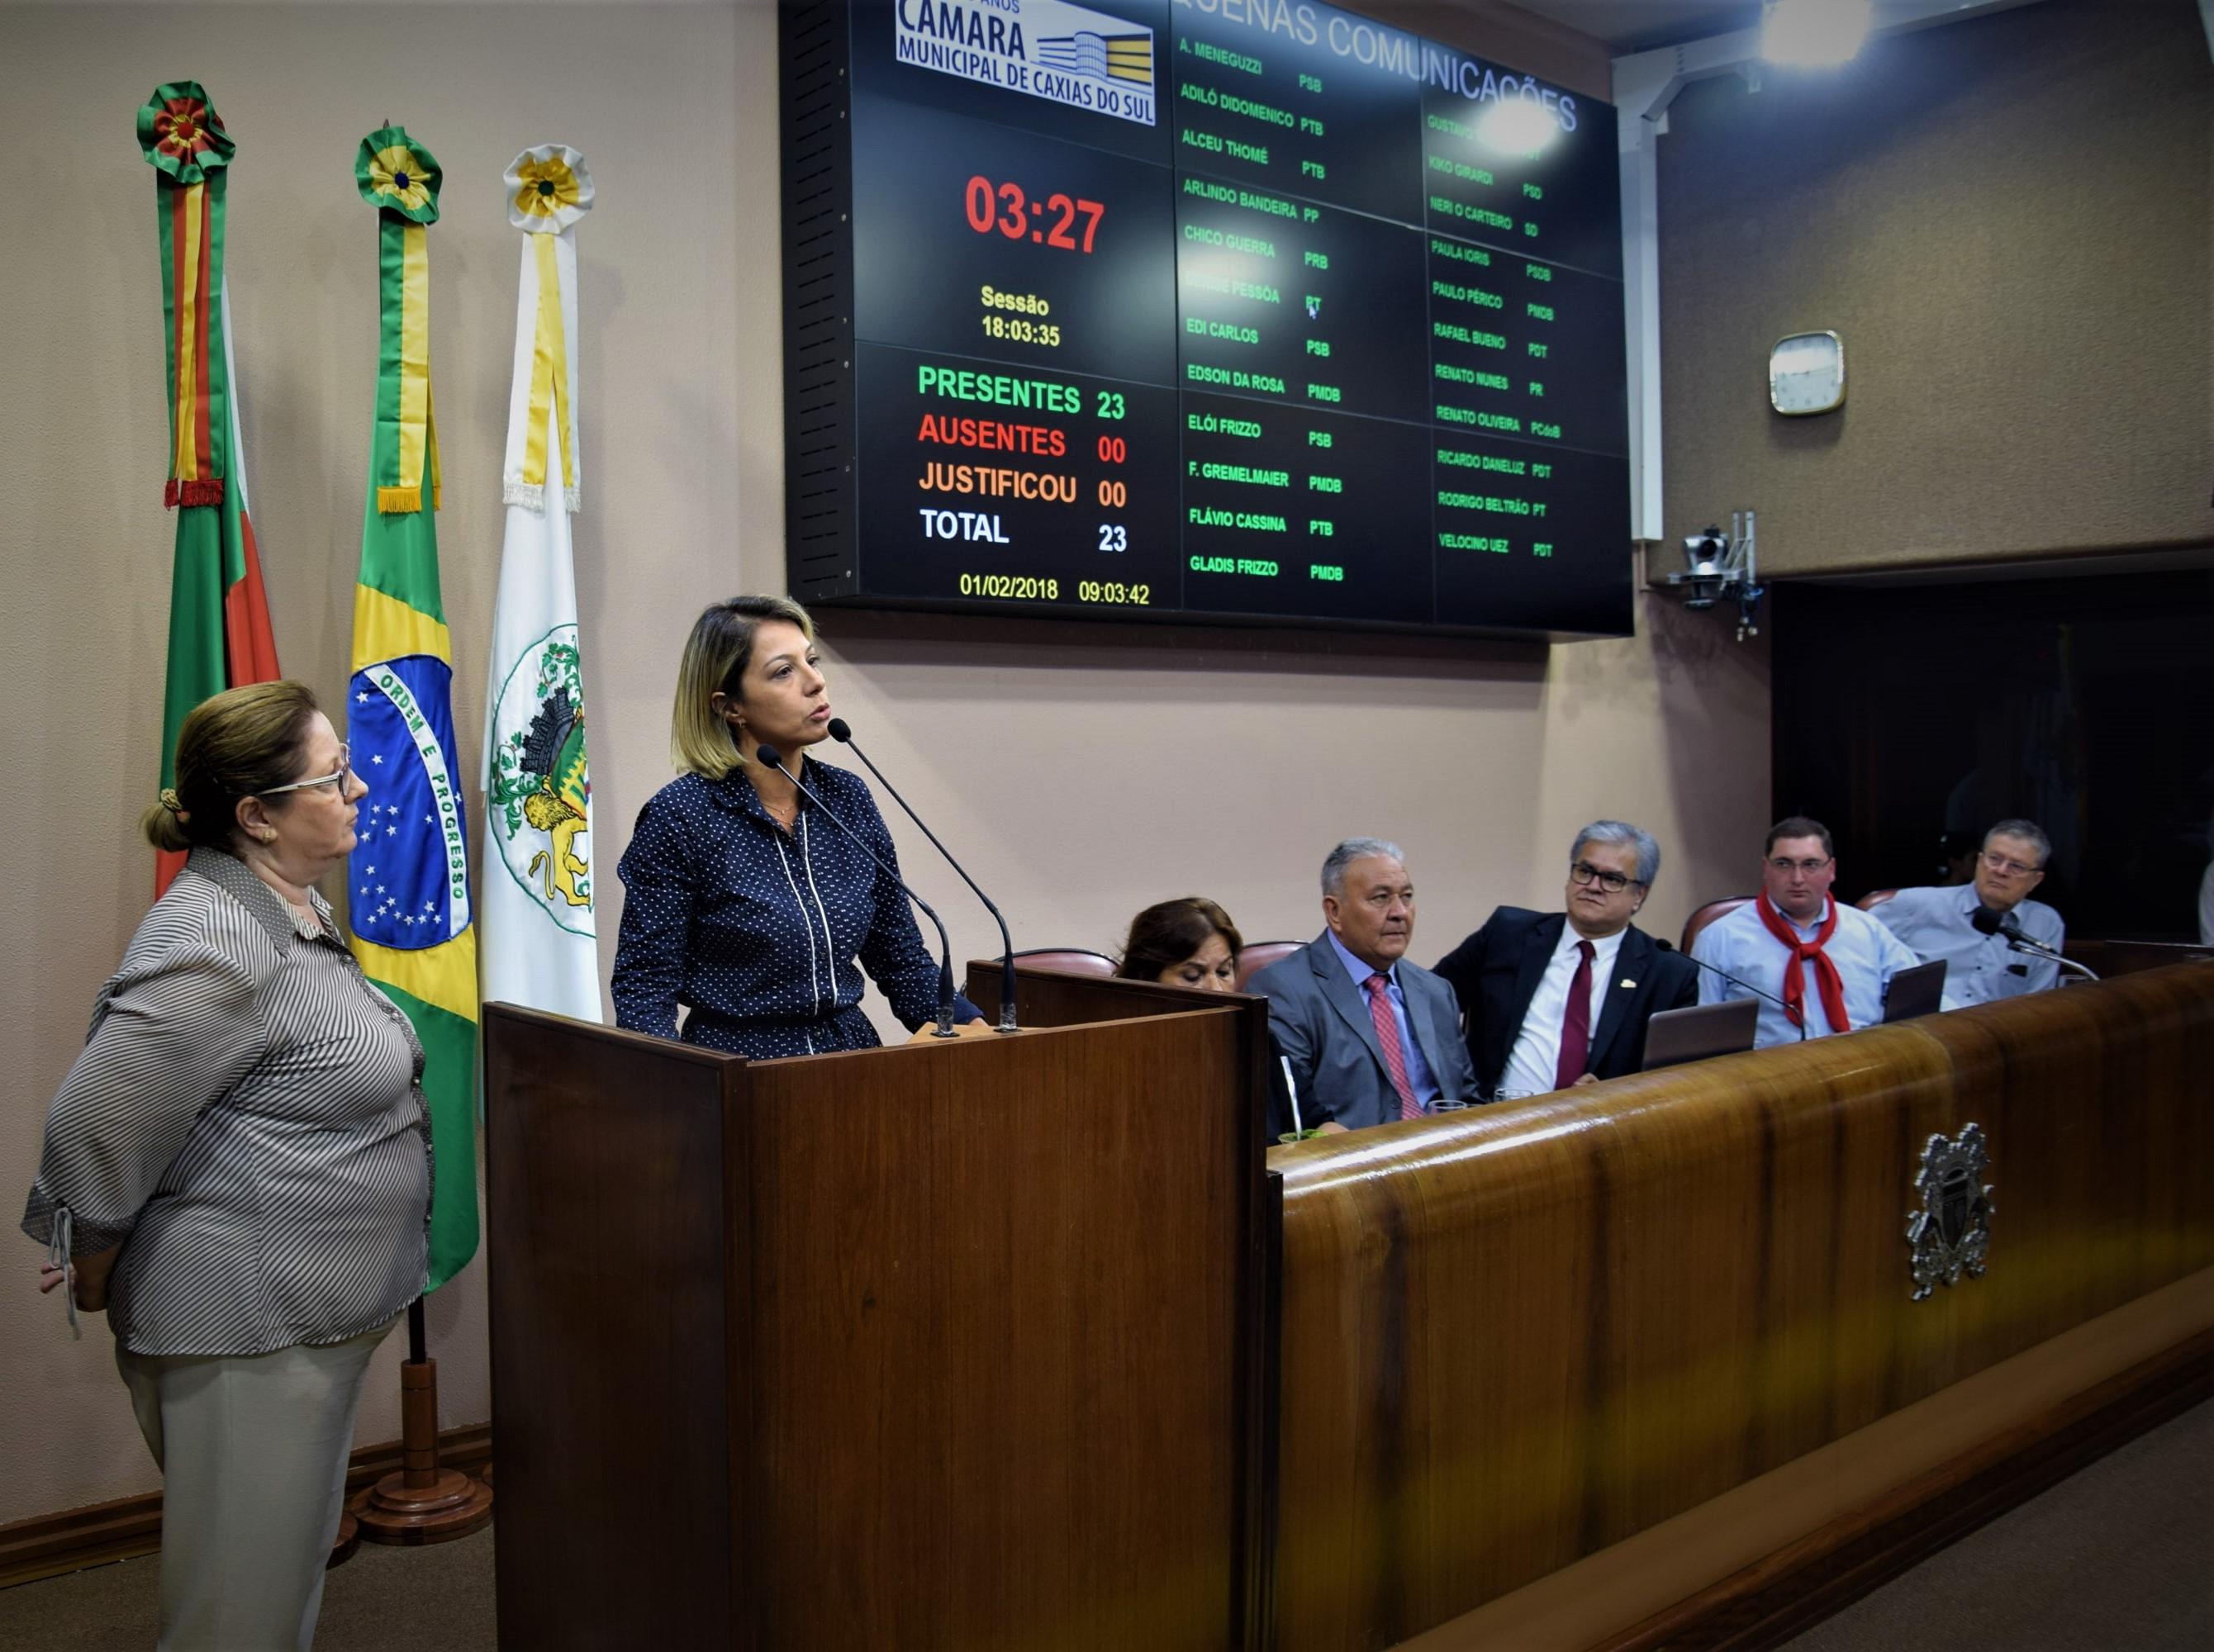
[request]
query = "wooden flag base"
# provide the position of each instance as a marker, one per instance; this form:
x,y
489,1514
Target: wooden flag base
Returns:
x,y
422,1504
348,1540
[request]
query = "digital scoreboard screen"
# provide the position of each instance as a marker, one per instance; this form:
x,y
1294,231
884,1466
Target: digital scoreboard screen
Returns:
x,y
1234,310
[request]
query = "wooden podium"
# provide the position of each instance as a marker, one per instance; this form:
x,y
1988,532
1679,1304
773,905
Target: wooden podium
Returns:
x,y
958,1343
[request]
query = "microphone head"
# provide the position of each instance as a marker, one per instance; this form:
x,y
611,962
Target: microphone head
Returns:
x,y
840,732
1664,946
768,756
1986,921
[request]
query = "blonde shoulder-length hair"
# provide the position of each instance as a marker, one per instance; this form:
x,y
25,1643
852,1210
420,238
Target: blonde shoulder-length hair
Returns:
x,y
715,658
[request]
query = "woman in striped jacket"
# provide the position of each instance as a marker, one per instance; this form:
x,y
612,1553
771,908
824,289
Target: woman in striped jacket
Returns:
x,y
237,1169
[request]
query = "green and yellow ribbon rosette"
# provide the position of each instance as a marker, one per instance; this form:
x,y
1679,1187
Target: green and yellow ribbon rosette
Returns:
x,y
399,175
549,190
183,139
400,178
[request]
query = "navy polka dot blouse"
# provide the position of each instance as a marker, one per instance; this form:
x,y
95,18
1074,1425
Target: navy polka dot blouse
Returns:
x,y
758,929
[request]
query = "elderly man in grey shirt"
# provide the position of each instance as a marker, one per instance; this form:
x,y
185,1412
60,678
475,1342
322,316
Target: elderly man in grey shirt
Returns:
x,y
1937,923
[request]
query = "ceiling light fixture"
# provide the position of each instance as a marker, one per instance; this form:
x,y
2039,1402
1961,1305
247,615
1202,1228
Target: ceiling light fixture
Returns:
x,y
1813,34
1516,125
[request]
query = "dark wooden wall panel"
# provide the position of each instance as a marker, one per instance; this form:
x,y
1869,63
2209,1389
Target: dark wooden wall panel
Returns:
x,y
1902,714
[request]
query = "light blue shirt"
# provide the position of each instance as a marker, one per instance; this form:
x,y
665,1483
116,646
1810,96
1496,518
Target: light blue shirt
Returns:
x,y
1418,1070
1979,968
1866,953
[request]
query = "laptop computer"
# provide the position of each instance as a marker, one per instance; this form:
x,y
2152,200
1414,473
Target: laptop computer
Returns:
x,y
1918,991
1674,1037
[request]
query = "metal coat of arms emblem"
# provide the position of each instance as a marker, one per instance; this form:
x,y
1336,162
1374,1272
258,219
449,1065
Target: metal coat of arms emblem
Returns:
x,y
1951,1231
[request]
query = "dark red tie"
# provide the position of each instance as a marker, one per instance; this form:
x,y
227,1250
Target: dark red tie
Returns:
x,y
1387,1035
1575,1024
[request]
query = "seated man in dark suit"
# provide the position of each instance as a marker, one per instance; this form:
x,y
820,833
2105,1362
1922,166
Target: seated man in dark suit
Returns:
x,y
1369,1037
1554,999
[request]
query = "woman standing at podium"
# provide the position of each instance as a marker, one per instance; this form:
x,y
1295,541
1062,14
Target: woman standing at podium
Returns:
x,y
742,901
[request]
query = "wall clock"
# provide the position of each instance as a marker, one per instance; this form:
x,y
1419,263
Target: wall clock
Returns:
x,y
1807,373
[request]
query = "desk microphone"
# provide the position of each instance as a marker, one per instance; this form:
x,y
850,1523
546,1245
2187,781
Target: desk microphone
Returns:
x,y
844,736
1801,1022
769,755
1986,921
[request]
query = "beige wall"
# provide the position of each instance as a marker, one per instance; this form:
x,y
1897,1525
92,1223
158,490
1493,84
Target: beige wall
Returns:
x,y
1081,780
2010,222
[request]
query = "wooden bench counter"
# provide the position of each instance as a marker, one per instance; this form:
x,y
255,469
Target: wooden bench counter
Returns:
x,y
1514,1338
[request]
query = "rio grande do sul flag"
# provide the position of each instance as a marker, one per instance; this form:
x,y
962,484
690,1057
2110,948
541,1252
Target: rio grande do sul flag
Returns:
x,y
537,899
219,631
408,877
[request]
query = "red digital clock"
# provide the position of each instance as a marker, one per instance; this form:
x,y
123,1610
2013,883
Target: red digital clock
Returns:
x,y
1005,208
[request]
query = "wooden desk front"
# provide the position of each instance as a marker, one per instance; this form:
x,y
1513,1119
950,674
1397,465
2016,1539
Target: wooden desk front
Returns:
x,y
1514,1336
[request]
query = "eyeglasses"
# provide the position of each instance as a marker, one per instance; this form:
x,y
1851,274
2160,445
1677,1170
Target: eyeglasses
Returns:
x,y
1808,867
1612,882
2012,868
336,781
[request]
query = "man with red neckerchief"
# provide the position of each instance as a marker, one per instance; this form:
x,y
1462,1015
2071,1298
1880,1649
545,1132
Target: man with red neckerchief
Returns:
x,y
1827,964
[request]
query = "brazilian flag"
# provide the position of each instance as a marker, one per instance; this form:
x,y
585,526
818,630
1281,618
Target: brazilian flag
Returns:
x,y
408,878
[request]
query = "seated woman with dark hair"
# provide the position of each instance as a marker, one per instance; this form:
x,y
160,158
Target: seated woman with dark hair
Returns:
x,y
1183,943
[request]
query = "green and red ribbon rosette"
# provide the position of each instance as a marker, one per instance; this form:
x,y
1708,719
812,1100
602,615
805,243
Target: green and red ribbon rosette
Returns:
x,y
184,141
182,133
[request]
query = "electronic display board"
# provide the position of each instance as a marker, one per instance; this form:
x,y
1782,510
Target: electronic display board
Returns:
x,y
1249,310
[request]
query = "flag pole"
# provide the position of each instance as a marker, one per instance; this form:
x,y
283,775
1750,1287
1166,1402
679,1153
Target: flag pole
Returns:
x,y
219,630
410,910
423,1503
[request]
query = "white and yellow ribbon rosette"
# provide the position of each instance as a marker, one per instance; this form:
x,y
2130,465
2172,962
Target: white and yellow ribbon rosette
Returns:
x,y
548,190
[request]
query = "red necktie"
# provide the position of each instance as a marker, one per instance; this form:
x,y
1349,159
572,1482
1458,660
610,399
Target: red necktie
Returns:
x,y
1575,1024
1387,1034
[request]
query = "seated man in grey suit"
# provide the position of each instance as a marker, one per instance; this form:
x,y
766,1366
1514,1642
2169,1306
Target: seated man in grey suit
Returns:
x,y
1369,1036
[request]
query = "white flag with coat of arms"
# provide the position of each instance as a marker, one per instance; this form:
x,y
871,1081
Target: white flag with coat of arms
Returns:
x,y
535,905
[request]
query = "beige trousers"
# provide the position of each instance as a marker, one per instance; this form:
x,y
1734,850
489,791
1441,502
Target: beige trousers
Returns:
x,y
253,1453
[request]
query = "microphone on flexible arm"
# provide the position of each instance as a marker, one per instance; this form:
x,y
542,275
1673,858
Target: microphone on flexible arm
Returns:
x,y
1986,921
769,755
1801,1022
843,735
